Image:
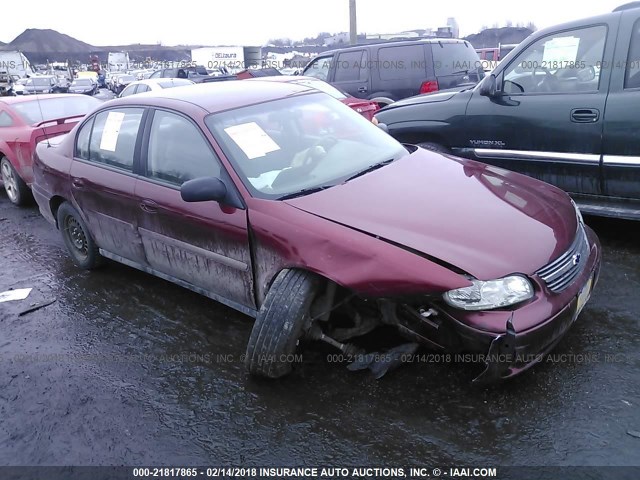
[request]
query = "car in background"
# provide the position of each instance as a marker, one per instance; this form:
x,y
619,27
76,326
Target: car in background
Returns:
x,y
6,84
559,107
386,72
320,232
41,84
154,85
19,85
121,81
366,108
27,120
194,73
86,86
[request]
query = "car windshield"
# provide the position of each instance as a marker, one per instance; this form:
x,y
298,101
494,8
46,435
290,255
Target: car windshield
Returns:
x,y
41,82
300,143
40,110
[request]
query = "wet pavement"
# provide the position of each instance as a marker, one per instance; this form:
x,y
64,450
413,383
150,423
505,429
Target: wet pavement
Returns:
x,y
127,369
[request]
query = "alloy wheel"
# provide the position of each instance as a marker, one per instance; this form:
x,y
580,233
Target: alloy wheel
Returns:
x,y
9,181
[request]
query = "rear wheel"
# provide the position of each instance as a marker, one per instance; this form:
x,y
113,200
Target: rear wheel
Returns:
x,y
17,191
281,322
80,244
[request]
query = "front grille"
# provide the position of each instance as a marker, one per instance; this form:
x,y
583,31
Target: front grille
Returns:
x,y
559,274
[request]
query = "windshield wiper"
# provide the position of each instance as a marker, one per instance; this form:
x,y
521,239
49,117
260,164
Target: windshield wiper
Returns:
x,y
371,169
305,191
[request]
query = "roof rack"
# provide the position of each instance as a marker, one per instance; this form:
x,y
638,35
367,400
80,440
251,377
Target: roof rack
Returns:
x,y
627,6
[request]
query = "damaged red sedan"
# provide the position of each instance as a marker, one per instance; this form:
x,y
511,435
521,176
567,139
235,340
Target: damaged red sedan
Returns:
x,y
320,232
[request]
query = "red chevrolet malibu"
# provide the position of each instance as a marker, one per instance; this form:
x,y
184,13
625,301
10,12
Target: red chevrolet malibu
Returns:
x,y
319,234
25,121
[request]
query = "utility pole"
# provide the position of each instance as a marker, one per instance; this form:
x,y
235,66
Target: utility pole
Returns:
x,y
353,31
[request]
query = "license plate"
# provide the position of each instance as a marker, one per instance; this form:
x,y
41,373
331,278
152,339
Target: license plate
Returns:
x,y
584,296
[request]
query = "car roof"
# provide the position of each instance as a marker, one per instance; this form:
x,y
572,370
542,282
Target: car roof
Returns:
x,y
394,43
32,98
219,96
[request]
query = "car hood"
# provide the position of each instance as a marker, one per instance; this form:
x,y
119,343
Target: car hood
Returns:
x,y
484,220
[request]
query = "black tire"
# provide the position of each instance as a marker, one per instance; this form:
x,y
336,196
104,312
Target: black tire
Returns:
x,y
77,238
434,147
17,191
280,324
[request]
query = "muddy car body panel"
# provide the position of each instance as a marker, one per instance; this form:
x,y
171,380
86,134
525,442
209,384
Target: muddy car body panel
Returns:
x,y
390,230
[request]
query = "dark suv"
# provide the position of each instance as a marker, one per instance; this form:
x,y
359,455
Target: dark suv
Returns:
x,y
560,107
386,72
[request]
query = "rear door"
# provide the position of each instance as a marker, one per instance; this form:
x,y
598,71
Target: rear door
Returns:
x,y
621,159
547,119
204,244
103,179
351,73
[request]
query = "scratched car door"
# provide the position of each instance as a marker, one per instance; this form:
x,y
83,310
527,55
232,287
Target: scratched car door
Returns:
x,y
204,244
103,179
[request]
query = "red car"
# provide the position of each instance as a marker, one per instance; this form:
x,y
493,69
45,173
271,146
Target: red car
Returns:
x,y
25,121
366,108
323,235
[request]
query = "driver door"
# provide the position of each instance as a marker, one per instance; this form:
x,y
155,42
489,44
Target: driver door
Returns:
x,y
547,119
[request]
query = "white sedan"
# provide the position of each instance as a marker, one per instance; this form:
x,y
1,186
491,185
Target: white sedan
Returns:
x,y
153,84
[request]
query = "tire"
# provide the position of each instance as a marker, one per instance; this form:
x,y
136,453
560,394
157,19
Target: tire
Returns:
x,y
280,324
434,147
18,192
77,238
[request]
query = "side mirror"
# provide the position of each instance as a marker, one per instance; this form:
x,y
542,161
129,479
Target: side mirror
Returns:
x,y
488,86
383,127
203,189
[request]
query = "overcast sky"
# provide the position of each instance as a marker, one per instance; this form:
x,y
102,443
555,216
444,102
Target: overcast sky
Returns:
x,y
253,22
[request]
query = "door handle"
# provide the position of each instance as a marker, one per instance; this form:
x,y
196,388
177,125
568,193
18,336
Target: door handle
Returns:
x,y
362,89
149,206
77,183
585,115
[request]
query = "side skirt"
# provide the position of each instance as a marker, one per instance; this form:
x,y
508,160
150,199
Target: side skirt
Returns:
x,y
229,303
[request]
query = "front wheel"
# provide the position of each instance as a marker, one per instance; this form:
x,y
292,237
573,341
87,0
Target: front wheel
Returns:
x,y
17,190
281,322
79,242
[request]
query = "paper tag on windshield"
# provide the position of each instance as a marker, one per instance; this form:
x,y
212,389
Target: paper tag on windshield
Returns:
x,y
563,49
111,131
252,139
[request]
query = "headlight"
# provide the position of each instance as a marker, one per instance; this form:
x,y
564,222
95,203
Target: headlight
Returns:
x,y
491,294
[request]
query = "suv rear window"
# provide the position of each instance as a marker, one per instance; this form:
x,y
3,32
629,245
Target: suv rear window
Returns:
x,y
400,62
450,58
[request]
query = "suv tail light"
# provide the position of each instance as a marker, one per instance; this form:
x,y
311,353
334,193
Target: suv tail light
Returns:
x,y
429,86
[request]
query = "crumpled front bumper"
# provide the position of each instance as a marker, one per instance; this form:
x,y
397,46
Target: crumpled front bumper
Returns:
x,y
512,352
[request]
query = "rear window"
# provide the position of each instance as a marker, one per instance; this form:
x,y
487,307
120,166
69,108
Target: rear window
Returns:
x,y
454,58
395,63
37,111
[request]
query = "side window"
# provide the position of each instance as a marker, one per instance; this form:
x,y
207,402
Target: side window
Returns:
x,y
114,136
142,88
178,151
348,66
156,74
82,141
5,120
395,63
567,62
319,68
632,74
